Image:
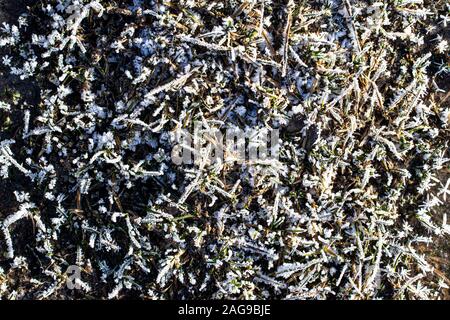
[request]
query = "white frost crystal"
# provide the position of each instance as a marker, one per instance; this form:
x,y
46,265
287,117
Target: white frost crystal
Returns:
x,y
350,208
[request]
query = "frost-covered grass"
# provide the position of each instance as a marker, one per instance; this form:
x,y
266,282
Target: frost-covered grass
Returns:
x,y
358,90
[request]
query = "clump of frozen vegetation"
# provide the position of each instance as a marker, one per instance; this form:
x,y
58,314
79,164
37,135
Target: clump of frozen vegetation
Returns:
x,y
358,90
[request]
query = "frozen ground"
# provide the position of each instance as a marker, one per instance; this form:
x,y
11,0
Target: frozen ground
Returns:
x,y
160,265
